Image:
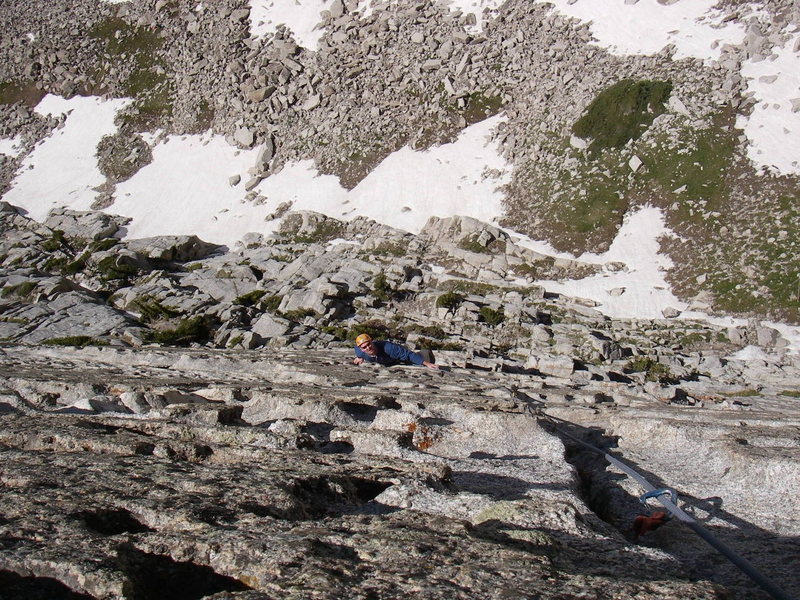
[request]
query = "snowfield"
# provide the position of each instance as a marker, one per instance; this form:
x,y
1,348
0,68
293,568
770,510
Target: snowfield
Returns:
x,y
62,170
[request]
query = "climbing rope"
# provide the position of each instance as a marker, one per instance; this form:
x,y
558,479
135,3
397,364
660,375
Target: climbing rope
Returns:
x,y
666,496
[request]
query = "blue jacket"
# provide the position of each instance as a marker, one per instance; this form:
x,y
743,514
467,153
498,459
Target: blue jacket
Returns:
x,y
390,354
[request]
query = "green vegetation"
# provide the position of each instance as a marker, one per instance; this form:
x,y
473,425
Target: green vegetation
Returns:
x,y
22,289
76,265
272,303
791,393
469,287
152,310
68,265
204,117
390,249
298,314
535,270
491,316
339,332
15,320
478,106
694,339
381,288
622,113
450,300
103,245
653,370
56,242
431,331
147,83
438,345
378,330
195,329
719,206
250,298
471,244
193,267
79,341
324,230
110,268
700,171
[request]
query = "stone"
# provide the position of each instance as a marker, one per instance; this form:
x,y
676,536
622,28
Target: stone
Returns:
x,y
180,248
556,366
265,155
267,326
74,314
88,225
336,9
312,102
244,137
253,183
767,336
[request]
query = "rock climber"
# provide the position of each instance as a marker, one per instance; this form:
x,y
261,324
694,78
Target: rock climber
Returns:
x,y
389,353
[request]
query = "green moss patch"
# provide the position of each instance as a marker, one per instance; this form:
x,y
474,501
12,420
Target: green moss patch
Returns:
x,y
377,330
79,341
136,49
110,268
449,300
479,106
622,112
21,290
196,329
151,309
492,316
653,370
745,393
250,298
381,288
12,92
298,314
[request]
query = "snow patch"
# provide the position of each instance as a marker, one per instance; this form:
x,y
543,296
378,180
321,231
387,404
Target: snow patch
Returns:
x,y
749,353
11,146
773,128
646,292
694,27
62,170
186,190
301,16
476,7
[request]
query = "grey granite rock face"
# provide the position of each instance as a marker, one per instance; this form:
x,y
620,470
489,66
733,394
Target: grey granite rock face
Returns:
x,y
261,475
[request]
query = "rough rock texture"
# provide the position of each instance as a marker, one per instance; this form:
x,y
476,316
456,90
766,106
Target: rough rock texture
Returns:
x,y
259,475
259,462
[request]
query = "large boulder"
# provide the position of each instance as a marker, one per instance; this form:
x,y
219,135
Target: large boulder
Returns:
x,y
75,314
89,225
317,296
178,248
467,232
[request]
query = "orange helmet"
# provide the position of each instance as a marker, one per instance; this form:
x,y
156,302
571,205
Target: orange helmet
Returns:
x,y
364,337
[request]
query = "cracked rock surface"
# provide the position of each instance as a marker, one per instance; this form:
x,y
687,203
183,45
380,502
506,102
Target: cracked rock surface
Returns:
x,y
207,473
